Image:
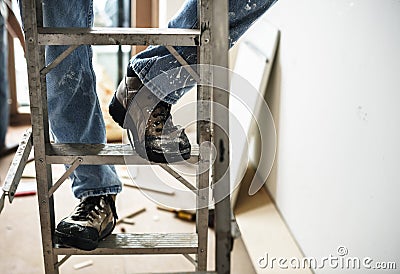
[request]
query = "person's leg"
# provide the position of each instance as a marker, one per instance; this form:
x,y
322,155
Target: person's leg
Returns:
x,y
75,117
155,60
3,82
74,111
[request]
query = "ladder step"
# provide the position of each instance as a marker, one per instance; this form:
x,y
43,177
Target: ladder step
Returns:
x,y
118,36
140,243
100,154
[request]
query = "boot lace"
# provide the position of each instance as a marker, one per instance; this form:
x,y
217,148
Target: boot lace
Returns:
x,y
161,118
91,207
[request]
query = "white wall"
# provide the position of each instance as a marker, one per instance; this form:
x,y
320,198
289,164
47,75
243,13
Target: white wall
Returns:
x,y
335,94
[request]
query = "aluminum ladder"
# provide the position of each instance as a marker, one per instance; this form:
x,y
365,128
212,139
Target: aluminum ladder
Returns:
x,y
211,39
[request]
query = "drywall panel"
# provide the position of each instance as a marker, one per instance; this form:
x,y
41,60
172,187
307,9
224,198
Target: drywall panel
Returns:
x,y
334,95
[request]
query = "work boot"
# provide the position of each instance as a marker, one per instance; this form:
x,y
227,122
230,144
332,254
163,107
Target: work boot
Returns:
x,y
91,221
155,137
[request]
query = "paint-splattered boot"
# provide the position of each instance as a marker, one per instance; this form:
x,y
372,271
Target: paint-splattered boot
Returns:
x,y
155,137
91,221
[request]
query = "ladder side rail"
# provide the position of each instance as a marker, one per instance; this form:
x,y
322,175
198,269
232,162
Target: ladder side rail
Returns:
x,y
47,228
204,134
32,14
220,123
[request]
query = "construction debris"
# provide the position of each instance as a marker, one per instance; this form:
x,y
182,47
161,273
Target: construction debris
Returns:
x,y
83,264
189,215
127,222
26,189
125,218
167,192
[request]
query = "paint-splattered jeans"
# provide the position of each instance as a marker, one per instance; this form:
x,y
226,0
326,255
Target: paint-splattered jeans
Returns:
x,y
157,59
74,111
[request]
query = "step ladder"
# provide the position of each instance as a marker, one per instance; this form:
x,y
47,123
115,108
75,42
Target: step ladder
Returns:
x,y
211,39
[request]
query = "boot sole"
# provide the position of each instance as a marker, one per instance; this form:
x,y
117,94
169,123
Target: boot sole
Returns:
x,y
82,243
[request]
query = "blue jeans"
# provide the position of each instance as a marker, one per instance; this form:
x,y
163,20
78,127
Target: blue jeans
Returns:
x,y
74,111
3,82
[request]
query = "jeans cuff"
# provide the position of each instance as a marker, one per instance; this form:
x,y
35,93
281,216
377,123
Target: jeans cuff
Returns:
x,y
98,192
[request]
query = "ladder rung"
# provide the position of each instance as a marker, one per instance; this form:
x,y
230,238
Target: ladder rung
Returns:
x,y
118,36
140,243
99,154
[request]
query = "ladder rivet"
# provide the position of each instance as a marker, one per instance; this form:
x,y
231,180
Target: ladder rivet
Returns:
x,y
30,40
41,160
